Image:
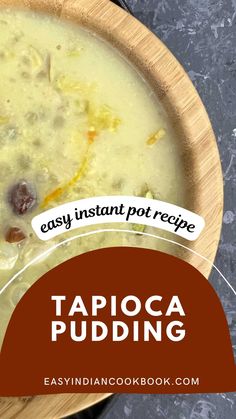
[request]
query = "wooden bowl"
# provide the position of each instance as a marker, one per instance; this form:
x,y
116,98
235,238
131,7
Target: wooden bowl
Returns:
x,y
190,120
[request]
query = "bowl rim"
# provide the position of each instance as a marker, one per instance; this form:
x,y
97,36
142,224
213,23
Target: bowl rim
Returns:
x,y
177,93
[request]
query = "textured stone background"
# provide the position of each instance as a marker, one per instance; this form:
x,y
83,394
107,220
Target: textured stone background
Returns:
x,y
202,35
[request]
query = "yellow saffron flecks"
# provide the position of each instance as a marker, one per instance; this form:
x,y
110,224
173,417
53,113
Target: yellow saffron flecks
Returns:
x,y
100,119
156,136
57,193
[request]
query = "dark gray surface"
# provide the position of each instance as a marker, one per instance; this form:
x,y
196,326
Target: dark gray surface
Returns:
x,y
202,35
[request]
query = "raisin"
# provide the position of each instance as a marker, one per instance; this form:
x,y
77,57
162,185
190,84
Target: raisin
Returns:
x,y
22,197
14,235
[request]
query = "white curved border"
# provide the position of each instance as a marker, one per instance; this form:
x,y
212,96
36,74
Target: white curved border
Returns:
x,y
90,233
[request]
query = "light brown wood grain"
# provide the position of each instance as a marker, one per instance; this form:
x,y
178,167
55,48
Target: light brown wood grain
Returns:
x,y
47,407
196,138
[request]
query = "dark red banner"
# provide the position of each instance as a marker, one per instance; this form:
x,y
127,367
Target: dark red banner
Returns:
x,y
118,320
